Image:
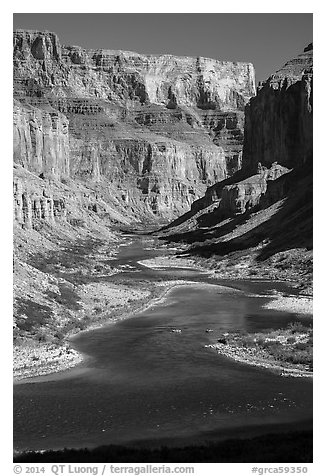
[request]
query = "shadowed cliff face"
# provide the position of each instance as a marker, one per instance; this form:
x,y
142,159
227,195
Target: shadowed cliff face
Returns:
x,y
156,130
278,121
265,208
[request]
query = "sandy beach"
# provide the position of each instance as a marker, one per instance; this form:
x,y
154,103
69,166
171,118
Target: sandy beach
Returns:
x,y
43,359
287,351
105,303
170,262
250,357
300,305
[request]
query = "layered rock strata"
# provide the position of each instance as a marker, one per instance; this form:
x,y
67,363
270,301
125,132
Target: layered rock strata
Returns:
x,y
278,124
41,140
264,211
38,202
277,139
31,206
159,128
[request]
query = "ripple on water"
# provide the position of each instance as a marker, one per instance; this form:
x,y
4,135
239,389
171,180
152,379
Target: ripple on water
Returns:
x,y
144,381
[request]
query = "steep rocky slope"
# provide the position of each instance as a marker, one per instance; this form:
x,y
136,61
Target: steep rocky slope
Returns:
x,y
104,139
259,221
159,129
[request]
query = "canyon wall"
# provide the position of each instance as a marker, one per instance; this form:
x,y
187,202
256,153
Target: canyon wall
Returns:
x,y
278,120
259,222
71,71
34,204
151,132
278,138
41,140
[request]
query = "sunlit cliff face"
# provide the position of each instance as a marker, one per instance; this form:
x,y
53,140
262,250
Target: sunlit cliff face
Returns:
x,y
156,130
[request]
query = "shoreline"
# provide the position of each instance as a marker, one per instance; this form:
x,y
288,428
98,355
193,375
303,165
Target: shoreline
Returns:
x,y
47,359
242,356
296,304
170,261
57,359
129,314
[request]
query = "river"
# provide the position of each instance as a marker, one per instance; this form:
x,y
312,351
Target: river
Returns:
x,y
144,384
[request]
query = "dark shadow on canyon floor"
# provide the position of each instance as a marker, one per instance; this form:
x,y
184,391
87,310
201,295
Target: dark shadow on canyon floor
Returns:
x,y
290,227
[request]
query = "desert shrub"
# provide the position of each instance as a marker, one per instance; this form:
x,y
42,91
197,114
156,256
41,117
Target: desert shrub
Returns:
x,y
59,335
277,350
248,341
260,341
290,340
83,324
270,345
43,336
282,355
302,346
36,315
301,357
16,333
222,340
297,327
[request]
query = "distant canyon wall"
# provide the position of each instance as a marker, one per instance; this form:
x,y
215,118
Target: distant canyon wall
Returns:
x,y
70,71
278,138
279,120
155,130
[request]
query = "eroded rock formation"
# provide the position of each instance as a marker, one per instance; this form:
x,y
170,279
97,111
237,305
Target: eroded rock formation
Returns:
x,y
31,206
264,210
41,142
277,139
278,121
156,130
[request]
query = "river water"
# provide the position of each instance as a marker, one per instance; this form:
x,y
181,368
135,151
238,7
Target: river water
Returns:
x,y
142,383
